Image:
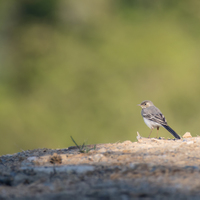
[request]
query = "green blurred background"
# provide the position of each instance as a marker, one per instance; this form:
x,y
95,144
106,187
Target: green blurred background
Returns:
x,y
80,68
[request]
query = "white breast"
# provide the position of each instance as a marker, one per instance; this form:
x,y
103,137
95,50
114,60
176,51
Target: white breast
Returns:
x,y
150,123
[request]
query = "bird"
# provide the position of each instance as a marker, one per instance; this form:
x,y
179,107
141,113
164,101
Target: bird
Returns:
x,y
153,118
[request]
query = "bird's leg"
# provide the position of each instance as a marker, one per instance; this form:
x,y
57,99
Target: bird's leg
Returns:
x,y
150,132
157,132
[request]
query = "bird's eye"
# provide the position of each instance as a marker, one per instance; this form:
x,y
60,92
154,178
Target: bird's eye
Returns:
x,y
145,104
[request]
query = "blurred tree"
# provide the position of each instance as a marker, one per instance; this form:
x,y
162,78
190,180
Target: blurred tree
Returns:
x,y
31,38
38,10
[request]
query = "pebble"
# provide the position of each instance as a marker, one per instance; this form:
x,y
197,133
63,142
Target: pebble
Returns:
x,y
187,135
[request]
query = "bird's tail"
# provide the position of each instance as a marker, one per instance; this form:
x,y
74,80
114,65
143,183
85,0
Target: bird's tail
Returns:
x,y
171,131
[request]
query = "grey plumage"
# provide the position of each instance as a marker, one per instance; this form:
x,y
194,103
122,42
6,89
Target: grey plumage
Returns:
x,y
154,114
154,118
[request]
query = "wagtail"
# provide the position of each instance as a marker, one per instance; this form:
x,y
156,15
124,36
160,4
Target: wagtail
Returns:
x,y
153,118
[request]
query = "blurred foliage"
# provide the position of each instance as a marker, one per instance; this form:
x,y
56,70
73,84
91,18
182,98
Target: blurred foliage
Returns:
x,y
37,10
81,67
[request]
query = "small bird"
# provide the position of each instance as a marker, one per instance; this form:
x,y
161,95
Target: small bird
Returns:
x,y
153,118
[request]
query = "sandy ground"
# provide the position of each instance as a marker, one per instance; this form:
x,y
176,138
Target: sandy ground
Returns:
x,y
146,169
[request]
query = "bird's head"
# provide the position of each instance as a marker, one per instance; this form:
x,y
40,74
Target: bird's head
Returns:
x,y
146,104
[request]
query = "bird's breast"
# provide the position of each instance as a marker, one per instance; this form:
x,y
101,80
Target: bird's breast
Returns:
x,y
151,124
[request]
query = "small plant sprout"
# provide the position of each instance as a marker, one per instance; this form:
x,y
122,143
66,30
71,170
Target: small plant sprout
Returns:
x,y
83,148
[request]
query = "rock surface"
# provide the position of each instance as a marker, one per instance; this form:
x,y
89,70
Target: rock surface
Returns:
x,y
150,168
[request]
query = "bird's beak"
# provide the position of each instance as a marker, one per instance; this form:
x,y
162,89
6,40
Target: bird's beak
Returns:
x,y
139,105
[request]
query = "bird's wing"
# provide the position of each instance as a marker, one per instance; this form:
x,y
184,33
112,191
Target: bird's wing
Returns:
x,y
154,115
